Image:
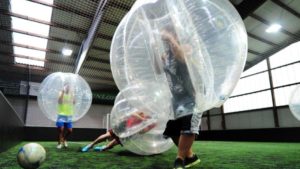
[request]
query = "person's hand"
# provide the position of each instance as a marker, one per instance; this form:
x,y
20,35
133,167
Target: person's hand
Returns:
x,y
187,49
167,35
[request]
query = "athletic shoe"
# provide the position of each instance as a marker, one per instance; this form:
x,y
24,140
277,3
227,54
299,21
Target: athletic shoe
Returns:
x,y
85,148
189,162
99,148
179,164
59,146
65,144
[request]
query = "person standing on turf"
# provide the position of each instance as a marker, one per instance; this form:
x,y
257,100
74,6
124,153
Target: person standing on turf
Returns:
x,y
185,127
65,111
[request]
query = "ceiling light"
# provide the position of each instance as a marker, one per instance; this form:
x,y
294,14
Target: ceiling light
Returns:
x,y
273,28
67,52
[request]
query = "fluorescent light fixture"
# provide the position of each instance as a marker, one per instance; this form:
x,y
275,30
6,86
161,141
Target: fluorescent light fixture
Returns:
x,y
29,40
29,52
29,62
29,26
67,52
273,28
32,10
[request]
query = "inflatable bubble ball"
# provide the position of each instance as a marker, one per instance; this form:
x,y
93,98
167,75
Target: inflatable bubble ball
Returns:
x,y
147,143
294,103
64,96
134,110
139,128
209,33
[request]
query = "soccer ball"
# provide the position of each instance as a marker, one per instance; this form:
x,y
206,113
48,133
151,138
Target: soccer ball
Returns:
x,y
31,156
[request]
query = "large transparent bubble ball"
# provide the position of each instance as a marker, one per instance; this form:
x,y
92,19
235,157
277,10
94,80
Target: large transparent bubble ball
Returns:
x,y
134,101
148,143
294,103
76,101
213,39
144,137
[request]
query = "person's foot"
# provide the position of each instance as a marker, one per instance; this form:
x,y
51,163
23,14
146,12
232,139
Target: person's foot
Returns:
x,y
59,146
99,148
65,144
85,148
179,164
191,161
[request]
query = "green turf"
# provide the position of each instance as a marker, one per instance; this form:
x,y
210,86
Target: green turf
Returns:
x,y
213,155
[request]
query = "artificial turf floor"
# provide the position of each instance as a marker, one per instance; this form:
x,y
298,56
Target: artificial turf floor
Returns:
x,y
244,155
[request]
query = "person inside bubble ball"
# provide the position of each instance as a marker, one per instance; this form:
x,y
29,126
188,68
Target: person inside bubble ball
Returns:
x,y
185,127
65,111
134,119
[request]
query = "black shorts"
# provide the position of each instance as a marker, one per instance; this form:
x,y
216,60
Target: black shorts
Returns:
x,y
180,126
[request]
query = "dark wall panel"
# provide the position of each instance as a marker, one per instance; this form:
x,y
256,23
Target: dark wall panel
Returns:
x,y
11,125
50,134
272,135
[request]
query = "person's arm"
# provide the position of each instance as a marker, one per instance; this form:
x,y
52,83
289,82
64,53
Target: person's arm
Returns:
x,y
60,98
138,116
175,46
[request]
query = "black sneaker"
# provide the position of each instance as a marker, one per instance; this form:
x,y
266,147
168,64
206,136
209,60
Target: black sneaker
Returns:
x,y
179,164
189,162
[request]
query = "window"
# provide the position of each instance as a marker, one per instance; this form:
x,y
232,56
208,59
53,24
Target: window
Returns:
x,y
255,69
288,55
283,95
252,84
248,102
286,75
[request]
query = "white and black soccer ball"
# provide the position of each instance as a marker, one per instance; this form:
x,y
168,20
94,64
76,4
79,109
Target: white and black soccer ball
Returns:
x,y
31,156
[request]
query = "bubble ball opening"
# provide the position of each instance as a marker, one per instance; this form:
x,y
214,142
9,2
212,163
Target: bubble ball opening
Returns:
x,y
64,95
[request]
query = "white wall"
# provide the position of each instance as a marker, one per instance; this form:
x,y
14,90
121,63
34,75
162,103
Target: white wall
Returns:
x,y
250,120
216,122
204,124
95,117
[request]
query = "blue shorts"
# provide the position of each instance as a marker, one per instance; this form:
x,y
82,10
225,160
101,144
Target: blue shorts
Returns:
x,y
67,125
64,121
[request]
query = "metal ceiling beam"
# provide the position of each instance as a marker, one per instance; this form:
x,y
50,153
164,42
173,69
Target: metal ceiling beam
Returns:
x,y
123,7
262,39
69,9
254,52
99,77
284,6
51,61
57,25
52,52
28,47
264,21
87,43
37,68
97,60
19,76
40,36
18,70
246,7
